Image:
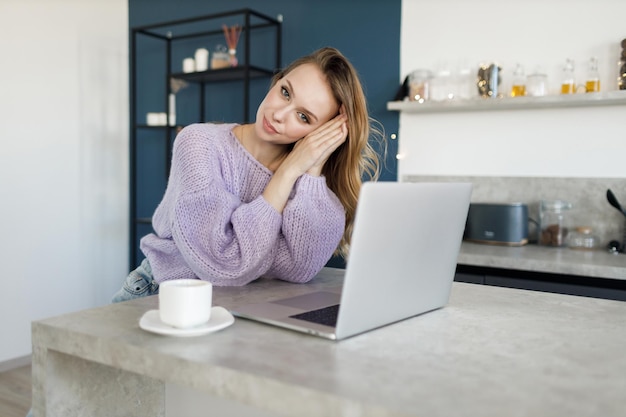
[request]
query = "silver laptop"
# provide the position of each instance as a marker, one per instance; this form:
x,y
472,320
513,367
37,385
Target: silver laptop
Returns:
x,y
405,244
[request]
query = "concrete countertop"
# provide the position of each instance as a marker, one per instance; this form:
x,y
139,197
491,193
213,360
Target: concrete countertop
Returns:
x,y
491,352
596,263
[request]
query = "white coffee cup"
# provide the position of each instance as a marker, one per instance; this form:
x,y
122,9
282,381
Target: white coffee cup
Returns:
x,y
185,303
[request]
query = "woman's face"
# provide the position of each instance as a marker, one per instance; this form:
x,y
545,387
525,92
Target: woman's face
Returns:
x,y
296,105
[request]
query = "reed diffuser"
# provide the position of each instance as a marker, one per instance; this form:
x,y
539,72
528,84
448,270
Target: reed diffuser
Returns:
x,y
232,39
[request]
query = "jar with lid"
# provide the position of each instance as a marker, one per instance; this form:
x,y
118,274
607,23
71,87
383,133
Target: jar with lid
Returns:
x,y
466,83
592,84
441,86
568,85
582,238
220,58
519,82
419,85
553,222
537,83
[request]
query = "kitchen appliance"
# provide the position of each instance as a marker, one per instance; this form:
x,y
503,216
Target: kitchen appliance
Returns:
x,y
489,79
497,224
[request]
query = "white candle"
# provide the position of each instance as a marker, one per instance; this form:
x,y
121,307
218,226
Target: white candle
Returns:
x,y
172,114
189,65
202,59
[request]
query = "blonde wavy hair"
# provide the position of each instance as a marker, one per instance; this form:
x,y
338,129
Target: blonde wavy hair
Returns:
x,y
355,160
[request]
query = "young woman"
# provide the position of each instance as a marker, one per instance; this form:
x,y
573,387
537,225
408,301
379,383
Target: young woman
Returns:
x,y
275,198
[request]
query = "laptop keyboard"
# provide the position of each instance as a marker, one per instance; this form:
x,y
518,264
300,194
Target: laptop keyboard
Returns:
x,y
326,316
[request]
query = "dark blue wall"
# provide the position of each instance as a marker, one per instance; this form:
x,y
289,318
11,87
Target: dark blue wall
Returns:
x,y
366,31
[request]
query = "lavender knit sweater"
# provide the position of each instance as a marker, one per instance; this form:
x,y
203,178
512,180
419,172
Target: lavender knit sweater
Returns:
x,y
214,224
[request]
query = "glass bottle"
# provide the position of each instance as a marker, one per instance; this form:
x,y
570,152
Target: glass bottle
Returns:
x,y
568,85
592,85
519,82
553,221
621,69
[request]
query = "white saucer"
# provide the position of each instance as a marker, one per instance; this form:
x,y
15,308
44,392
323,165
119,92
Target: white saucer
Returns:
x,y
220,318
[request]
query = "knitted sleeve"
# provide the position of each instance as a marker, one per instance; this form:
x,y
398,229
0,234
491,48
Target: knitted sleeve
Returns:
x,y
221,238
313,224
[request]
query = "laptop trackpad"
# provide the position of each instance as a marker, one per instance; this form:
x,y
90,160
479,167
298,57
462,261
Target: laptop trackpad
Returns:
x,y
311,301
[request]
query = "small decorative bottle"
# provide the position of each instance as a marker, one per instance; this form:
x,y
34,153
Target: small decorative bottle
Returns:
x,y
519,82
232,57
568,85
592,85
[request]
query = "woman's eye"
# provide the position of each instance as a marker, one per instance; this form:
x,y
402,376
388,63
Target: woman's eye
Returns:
x,y
284,92
303,117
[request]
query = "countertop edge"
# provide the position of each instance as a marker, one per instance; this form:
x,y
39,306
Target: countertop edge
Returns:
x,y
533,258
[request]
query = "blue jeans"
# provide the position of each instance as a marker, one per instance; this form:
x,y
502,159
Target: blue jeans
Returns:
x,y
139,283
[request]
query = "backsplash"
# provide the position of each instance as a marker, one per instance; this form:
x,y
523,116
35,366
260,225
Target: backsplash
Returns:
x,y
587,195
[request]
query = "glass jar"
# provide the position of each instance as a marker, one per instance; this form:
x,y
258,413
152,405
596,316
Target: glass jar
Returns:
x,y
553,222
519,82
568,84
582,238
592,84
220,58
466,83
537,84
419,85
441,87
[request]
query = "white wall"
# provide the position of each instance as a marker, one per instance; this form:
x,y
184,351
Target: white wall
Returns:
x,y
64,160
579,142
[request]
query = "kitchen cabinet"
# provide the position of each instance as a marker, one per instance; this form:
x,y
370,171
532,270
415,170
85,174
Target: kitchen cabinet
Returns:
x,y
609,98
612,289
159,85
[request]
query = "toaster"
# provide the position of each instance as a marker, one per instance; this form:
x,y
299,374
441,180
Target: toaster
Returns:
x,y
497,224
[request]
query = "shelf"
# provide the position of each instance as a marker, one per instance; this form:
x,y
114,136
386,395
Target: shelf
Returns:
x,y
611,98
145,126
176,39
224,74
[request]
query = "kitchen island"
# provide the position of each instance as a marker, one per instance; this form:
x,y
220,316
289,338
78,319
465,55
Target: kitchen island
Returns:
x,y
490,352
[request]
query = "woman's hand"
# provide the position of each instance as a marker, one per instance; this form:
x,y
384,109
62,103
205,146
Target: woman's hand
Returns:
x,y
308,156
311,152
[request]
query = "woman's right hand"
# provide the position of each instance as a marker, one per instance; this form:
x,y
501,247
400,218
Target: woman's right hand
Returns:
x,y
308,156
311,152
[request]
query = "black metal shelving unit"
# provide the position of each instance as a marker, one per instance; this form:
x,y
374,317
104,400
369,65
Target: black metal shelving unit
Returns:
x,y
176,34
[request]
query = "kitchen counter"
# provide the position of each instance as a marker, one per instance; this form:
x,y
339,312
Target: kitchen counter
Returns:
x,y
596,263
590,208
491,351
